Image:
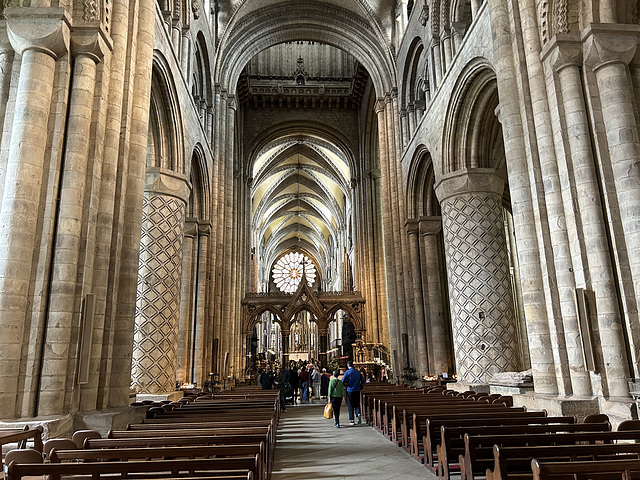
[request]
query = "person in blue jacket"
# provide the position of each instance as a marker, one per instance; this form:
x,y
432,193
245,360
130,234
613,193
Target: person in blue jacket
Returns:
x,y
354,381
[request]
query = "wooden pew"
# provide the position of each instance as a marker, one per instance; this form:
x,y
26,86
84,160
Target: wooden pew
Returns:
x,y
451,450
626,469
478,456
20,435
429,429
413,420
165,452
152,468
267,433
516,461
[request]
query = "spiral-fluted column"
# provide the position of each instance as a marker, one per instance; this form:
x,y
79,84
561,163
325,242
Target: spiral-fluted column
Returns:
x,y
484,332
40,44
157,308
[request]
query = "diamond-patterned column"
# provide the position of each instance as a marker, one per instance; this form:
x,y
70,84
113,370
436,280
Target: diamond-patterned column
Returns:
x,y
159,278
484,334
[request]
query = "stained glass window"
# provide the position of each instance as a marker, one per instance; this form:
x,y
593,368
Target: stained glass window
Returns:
x,y
287,272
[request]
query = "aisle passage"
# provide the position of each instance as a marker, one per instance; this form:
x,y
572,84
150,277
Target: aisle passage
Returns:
x,y
309,447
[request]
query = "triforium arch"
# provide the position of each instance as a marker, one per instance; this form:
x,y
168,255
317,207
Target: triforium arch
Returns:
x,y
471,190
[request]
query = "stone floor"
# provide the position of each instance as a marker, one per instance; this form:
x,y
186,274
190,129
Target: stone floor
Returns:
x,y
309,447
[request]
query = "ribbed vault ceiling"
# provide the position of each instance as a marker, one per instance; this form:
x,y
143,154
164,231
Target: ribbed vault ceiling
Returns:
x,y
299,197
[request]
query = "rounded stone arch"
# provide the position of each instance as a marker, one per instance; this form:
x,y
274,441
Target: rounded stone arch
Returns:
x,y
166,137
421,196
202,69
461,14
245,36
355,316
200,196
413,66
253,319
471,128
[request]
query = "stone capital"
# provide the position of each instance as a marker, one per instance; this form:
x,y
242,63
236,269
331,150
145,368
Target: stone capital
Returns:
x,y
430,225
469,180
204,228
562,51
44,29
161,181
380,105
607,44
190,227
90,42
413,226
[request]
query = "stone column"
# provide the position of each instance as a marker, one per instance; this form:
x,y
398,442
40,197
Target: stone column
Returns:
x,y
608,49
475,6
200,368
158,298
185,323
88,50
6,63
387,237
485,340
446,48
404,122
422,350
138,99
433,295
40,36
523,201
286,337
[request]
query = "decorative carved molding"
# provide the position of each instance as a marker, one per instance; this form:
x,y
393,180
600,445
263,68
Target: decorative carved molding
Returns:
x,y
90,11
560,17
195,8
424,15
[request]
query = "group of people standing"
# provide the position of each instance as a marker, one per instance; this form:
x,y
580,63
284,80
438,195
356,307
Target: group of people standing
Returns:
x,y
310,381
305,382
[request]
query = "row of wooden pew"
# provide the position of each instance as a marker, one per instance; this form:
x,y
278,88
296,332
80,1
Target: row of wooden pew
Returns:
x,y
480,436
227,436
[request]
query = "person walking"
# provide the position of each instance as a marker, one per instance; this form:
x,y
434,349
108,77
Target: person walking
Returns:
x,y
354,381
336,394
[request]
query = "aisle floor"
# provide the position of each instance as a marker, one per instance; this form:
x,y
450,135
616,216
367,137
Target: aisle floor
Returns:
x,y
310,447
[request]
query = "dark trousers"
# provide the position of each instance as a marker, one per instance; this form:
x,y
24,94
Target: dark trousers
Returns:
x,y
336,402
353,403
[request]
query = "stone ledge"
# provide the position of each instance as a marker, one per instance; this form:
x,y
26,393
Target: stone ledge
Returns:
x,y
105,420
